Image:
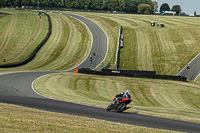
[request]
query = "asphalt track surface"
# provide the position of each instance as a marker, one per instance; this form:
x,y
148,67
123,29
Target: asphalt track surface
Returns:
x,y
99,46
16,88
194,69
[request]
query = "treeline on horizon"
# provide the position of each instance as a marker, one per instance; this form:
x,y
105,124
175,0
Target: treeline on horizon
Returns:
x,y
129,6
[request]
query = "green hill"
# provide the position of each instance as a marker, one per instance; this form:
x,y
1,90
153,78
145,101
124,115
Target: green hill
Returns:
x,y
68,45
164,50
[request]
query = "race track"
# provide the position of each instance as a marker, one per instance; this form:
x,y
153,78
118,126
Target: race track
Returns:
x,y
99,44
194,69
16,88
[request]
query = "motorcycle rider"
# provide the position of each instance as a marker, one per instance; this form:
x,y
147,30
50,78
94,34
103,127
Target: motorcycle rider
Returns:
x,y
122,95
188,66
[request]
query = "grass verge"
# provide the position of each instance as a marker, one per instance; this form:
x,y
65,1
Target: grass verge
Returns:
x,y
168,99
21,119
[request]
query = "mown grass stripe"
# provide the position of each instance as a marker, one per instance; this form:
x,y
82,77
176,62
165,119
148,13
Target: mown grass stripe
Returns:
x,y
23,35
29,42
8,31
170,60
191,98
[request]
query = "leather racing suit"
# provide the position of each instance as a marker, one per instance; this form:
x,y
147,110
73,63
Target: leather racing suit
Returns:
x,y
121,96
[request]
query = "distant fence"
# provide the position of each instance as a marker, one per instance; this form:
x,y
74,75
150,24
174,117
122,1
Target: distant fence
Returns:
x,y
131,73
32,56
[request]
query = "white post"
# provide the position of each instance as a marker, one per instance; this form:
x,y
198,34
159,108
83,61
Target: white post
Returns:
x,y
159,23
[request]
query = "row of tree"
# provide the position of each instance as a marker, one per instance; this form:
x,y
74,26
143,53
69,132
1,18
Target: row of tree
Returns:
x,y
129,6
166,7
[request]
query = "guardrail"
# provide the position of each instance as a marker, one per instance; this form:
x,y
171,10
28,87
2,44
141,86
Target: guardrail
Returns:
x,y
120,44
32,56
131,73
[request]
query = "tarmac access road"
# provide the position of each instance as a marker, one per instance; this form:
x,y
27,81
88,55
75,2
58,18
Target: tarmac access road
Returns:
x,y
194,69
16,88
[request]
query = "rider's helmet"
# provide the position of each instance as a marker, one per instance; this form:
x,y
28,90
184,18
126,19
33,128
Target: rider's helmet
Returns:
x,y
127,91
127,94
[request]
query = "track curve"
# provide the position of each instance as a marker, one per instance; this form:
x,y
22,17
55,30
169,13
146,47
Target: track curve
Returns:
x,y
194,69
99,43
16,88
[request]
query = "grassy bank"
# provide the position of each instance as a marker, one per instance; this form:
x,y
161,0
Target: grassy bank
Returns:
x,y
67,47
20,119
165,50
21,32
169,99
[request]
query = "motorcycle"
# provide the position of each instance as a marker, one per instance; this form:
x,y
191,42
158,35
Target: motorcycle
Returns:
x,y
119,107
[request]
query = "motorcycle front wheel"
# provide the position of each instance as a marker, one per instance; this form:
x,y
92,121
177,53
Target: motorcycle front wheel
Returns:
x,y
109,108
121,107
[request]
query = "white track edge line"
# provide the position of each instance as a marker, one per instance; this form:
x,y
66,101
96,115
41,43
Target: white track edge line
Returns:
x,y
189,63
90,45
32,84
92,41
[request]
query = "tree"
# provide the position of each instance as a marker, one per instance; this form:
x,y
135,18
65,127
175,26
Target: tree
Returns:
x,y
183,14
155,6
104,5
121,5
130,6
2,3
100,4
177,9
77,4
150,3
195,13
68,3
164,7
113,5
144,9
60,3
86,4
93,4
